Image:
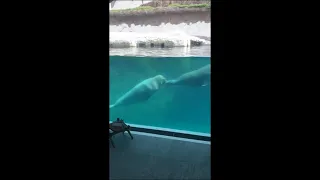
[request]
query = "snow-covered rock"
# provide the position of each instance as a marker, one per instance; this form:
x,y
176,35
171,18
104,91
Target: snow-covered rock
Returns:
x,y
157,39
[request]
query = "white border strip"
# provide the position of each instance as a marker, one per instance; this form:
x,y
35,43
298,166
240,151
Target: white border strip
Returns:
x,y
171,137
168,129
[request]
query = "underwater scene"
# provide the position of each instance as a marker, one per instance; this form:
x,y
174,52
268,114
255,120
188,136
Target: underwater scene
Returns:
x,y
166,92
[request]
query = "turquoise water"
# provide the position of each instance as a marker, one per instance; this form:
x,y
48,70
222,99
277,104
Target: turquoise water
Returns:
x,y
175,107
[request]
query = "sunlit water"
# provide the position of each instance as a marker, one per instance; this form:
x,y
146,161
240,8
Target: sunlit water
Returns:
x,y
175,107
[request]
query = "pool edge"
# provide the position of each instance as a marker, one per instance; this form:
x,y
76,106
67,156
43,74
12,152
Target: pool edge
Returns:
x,y
170,132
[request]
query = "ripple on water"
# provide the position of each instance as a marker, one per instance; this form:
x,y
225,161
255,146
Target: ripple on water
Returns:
x,y
202,51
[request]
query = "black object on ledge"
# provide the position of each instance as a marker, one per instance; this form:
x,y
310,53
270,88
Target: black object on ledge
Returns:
x,y
117,127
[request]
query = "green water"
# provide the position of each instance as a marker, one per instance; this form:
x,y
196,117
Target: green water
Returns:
x,y
175,107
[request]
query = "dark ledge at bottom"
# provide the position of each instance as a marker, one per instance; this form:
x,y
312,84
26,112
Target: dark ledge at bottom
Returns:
x,y
172,134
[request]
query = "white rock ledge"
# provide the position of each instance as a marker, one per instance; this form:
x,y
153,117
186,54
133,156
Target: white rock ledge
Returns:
x,y
155,39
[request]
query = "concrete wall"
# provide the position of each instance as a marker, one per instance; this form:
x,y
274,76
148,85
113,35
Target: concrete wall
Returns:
x,y
147,157
196,23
